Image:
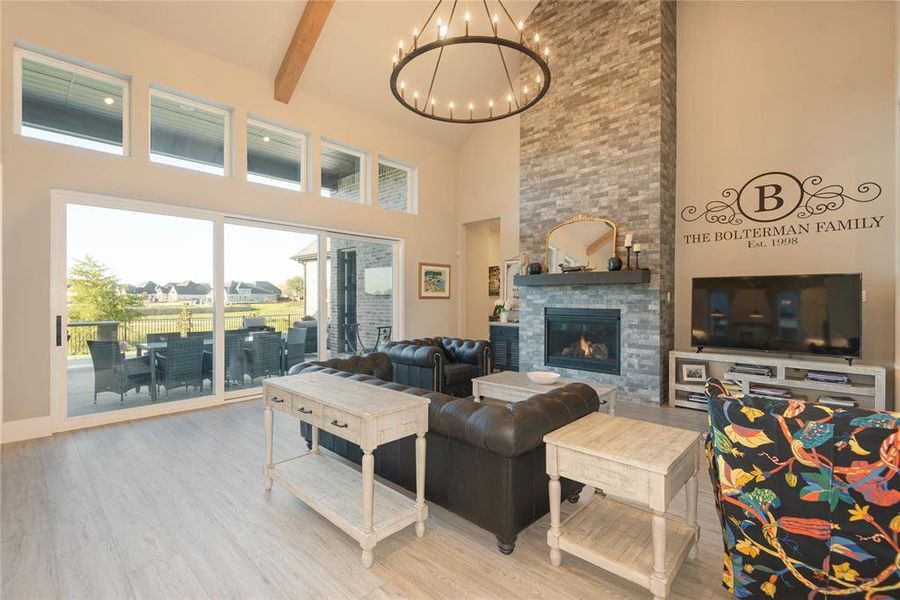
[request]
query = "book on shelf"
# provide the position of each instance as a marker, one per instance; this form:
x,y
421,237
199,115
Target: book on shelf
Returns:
x,y
825,377
839,401
771,391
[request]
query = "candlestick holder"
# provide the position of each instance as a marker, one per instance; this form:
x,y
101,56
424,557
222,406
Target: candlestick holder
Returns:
x,y
627,258
637,260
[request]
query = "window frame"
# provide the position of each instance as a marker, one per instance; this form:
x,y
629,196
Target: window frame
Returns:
x,y
304,154
93,71
365,175
207,105
412,184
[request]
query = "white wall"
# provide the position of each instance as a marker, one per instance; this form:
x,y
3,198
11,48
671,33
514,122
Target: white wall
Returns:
x,y
482,250
33,167
802,87
489,189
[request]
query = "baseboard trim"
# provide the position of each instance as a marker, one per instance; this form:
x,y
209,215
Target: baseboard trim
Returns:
x,y
27,429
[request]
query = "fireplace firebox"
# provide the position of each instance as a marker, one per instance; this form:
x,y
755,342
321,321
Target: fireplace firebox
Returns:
x,y
587,339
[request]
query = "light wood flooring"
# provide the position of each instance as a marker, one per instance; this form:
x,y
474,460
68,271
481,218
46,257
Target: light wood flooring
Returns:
x,y
174,507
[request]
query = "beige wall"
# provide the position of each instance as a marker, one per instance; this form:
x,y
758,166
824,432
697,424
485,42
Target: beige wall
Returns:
x,y
33,167
802,87
482,250
489,189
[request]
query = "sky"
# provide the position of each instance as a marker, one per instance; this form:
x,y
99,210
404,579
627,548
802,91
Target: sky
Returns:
x,y
138,247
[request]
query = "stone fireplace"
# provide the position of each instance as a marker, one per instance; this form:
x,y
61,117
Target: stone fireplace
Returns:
x,y
586,339
602,143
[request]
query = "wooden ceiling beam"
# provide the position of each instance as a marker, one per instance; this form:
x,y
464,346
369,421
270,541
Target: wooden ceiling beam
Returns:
x,y
301,47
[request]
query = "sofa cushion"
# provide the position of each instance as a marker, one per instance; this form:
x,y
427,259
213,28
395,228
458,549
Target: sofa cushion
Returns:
x,y
459,373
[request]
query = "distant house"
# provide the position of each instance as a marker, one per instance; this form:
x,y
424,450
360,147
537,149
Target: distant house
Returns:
x,y
185,291
256,291
147,288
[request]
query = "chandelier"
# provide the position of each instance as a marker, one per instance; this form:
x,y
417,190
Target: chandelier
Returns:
x,y
485,31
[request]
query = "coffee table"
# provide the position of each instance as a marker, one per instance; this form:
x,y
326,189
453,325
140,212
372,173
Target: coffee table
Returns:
x,y
509,387
643,464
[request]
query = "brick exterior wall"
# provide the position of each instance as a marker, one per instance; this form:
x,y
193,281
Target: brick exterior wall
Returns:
x,y
393,188
371,311
348,188
602,142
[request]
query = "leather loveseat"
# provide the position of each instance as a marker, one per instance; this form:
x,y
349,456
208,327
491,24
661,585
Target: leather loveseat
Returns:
x,y
443,364
485,463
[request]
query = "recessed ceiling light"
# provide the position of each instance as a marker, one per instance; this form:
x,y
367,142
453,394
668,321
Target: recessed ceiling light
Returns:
x,y
108,100
266,138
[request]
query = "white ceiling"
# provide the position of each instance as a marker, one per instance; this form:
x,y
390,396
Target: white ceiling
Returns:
x,y
351,63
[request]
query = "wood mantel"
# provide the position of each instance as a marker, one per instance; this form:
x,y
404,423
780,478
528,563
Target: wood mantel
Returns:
x,y
585,278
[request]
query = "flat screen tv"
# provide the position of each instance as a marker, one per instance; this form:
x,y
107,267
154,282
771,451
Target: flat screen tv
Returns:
x,y
804,314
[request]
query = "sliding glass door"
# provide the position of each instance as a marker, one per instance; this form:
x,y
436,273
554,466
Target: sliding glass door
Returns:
x,y
157,308
271,301
139,309
361,301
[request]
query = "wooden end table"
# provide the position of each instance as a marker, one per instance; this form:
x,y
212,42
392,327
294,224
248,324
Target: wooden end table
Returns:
x,y
643,463
366,415
509,387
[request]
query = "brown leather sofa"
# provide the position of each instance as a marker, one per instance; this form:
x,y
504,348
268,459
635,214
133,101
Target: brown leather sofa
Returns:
x,y
443,364
485,463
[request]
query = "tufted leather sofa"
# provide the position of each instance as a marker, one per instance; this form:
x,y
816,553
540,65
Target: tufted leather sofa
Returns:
x,y
485,463
443,364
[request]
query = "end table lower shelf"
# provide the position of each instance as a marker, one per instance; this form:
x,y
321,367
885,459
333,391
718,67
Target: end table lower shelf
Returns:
x,y
616,536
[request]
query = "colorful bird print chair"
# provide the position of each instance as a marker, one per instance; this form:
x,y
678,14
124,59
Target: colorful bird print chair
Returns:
x,y
808,497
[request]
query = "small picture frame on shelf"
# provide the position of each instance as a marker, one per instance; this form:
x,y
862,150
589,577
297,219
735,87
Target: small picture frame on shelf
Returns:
x,y
693,372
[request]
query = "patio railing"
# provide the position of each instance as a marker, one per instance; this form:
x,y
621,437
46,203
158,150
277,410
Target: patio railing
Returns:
x,y
136,331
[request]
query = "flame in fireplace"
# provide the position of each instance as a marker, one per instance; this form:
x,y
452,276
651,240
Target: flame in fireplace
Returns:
x,y
585,347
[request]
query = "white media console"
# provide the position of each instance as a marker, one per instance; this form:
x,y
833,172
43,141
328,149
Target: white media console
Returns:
x,y
867,382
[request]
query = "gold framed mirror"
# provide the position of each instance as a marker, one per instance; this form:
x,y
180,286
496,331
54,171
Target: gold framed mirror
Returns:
x,y
581,241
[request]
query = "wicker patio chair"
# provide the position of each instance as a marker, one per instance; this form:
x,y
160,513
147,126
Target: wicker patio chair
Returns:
x,y
115,373
295,347
181,363
263,355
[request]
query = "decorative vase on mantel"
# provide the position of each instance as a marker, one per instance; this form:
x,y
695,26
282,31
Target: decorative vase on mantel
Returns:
x,y
504,316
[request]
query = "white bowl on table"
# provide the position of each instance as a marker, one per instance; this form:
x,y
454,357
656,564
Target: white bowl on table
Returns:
x,y
543,377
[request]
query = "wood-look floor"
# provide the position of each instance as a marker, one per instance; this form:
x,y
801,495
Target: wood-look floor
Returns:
x,y
173,507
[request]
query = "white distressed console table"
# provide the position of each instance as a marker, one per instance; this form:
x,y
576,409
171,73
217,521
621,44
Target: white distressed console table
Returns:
x,y
366,415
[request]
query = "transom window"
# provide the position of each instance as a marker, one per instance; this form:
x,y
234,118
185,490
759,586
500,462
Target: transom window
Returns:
x,y
62,102
396,186
343,172
188,133
275,155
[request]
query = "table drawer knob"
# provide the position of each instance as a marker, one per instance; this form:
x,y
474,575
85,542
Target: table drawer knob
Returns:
x,y
304,410
336,424
277,400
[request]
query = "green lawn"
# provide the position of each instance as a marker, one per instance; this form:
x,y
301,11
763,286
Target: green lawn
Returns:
x,y
156,311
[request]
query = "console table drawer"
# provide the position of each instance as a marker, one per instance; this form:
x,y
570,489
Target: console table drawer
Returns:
x,y
307,410
341,424
278,400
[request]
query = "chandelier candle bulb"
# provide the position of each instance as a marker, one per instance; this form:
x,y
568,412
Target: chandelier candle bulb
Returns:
x,y
415,38
403,90
451,109
471,108
416,100
509,102
466,18
400,51
490,108
432,106
496,22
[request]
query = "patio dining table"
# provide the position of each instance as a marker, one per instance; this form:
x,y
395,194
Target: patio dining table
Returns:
x,y
152,348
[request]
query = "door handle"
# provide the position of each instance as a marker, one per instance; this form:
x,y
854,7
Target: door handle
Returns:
x,y
58,330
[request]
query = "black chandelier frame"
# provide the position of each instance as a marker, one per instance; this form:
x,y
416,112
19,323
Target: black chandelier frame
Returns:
x,y
514,105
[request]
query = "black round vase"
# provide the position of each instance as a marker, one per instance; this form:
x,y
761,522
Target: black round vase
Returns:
x,y
614,264
535,268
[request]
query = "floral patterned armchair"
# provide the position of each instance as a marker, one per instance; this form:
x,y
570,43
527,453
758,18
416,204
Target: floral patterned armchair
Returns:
x,y
808,497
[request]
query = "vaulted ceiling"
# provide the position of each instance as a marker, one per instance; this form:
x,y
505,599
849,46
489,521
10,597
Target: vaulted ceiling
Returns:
x,y
351,63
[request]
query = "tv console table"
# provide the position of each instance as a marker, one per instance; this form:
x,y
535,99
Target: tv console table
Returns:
x,y
367,415
867,382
